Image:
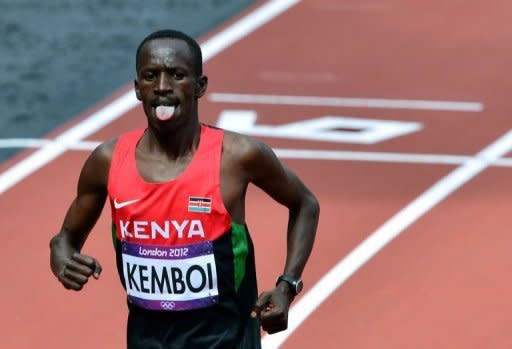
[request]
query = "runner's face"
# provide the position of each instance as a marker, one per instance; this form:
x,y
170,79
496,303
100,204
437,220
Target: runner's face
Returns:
x,y
166,77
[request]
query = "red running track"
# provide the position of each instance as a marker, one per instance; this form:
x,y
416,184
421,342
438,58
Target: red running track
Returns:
x,y
443,282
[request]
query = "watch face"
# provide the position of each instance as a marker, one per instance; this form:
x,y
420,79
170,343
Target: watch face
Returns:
x,y
299,286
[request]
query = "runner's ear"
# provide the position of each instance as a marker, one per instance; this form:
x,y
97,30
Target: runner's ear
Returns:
x,y
137,91
201,85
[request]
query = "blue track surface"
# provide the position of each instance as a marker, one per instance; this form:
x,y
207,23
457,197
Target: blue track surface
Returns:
x,y
59,57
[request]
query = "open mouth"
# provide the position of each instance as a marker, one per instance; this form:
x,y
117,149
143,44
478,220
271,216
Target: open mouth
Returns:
x,y
164,111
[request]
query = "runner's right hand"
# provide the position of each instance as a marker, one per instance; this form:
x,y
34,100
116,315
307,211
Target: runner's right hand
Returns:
x,y
74,272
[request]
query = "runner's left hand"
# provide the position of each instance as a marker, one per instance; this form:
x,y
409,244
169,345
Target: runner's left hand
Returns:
x,y
272,309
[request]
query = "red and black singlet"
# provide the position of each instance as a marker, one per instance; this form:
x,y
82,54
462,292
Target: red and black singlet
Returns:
x,y
188,270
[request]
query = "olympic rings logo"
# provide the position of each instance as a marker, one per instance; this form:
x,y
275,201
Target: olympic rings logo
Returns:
x,y
167,305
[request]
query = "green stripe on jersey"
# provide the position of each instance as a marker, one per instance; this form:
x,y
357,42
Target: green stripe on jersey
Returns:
x,y
240,251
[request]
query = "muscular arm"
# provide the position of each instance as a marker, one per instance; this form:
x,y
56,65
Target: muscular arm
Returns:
x,y
72,268
263,169
266,172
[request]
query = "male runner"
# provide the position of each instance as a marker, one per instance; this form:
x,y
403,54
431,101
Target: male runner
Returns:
x,y
177,191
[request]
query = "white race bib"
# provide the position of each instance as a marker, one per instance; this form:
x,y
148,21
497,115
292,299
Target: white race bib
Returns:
x,y
170,278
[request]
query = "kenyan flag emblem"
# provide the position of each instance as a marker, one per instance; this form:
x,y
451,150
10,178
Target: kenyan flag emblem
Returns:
x,y
199,204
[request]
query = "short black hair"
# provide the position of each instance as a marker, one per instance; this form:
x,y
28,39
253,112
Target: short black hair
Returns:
x,y
194,47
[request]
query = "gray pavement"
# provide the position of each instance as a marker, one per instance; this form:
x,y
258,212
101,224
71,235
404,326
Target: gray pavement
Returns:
x,y
59,57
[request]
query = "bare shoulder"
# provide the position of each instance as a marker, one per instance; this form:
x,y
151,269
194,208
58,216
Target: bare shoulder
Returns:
x,y
104,151
251,157
242,149
258,164
96,168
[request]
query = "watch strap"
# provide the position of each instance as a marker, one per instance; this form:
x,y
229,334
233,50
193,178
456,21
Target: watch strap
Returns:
x,y
294,283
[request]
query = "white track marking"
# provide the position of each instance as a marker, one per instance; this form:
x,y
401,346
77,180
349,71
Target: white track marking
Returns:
x,y
24,142
302,154
52,150
326,128
123,104
371,156
243,27
386,233
504,162
346,102
39,143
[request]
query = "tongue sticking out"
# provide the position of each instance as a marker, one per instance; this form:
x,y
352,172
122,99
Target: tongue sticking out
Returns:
x,y
164,112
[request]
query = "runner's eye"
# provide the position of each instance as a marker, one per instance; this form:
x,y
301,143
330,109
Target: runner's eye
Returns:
x,y
149,76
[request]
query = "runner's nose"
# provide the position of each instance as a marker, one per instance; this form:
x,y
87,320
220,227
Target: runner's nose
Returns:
x,y
163,84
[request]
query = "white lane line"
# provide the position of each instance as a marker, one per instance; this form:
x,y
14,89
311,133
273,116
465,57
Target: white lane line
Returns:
x,y
243,27
23,142
52,150
503,162
123,104
346,102
302,154
386,233
41,142
409,158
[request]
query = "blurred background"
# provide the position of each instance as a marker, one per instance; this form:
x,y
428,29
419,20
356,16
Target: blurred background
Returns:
x,y
59,57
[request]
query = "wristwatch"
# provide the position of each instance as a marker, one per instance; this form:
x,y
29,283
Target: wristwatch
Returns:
x,y
295,284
